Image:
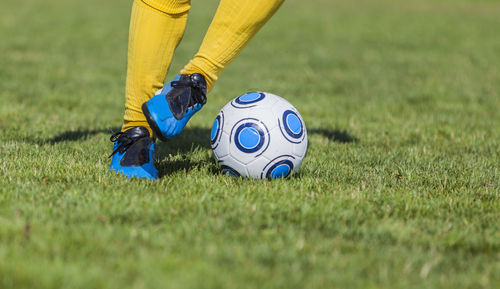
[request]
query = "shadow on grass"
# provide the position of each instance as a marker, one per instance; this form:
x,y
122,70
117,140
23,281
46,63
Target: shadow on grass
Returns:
x,y
191,140
71,136
186,164
191,137
340,136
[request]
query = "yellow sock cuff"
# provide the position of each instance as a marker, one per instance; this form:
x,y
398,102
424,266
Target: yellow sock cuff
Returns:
x,y
206,66
170,6
131,124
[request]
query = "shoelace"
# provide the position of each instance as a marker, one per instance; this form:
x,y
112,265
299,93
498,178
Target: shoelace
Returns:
x,y
194,81
125,140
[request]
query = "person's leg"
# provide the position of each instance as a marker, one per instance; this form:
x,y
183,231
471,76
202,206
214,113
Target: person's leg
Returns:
x,y
156,28
234,25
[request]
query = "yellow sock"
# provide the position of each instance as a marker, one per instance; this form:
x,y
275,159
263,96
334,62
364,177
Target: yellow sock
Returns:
x,y
156,28
234,24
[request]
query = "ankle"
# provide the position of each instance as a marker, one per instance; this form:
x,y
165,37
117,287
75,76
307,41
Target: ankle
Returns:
x,y
131,124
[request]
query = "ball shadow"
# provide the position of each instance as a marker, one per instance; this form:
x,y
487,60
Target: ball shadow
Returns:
x,y
335,135
182,149
191,138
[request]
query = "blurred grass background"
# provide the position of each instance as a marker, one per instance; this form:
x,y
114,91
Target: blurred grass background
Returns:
x,y
399,189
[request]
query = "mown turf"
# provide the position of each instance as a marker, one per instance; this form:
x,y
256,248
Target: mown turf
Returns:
x,y
400,187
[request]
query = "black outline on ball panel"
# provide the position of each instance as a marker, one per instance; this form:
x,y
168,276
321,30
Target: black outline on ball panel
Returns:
x,y
285,135
258,122
268,142
259,98
243,105
212,140
277,164
224,167
272,161
241,120
219,133
256,127
287,128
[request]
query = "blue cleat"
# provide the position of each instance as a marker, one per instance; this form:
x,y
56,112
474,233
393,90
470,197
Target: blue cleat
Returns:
x,y
133,154
168,111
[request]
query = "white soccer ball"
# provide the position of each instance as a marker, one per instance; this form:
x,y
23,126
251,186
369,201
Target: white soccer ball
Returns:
x,y
259,135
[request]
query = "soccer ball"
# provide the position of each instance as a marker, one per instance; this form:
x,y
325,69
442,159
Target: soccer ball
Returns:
x,y
259,135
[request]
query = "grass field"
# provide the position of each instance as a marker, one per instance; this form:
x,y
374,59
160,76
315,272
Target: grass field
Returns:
x,y
400,187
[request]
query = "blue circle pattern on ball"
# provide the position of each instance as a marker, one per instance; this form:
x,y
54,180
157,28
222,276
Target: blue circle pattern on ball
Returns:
x,y
249,137
293,122
229,171
293,125
215,130
281,169
249,98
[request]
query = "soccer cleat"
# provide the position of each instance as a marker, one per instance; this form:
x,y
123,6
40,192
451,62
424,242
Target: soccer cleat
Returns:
x,y
171,108
133,154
